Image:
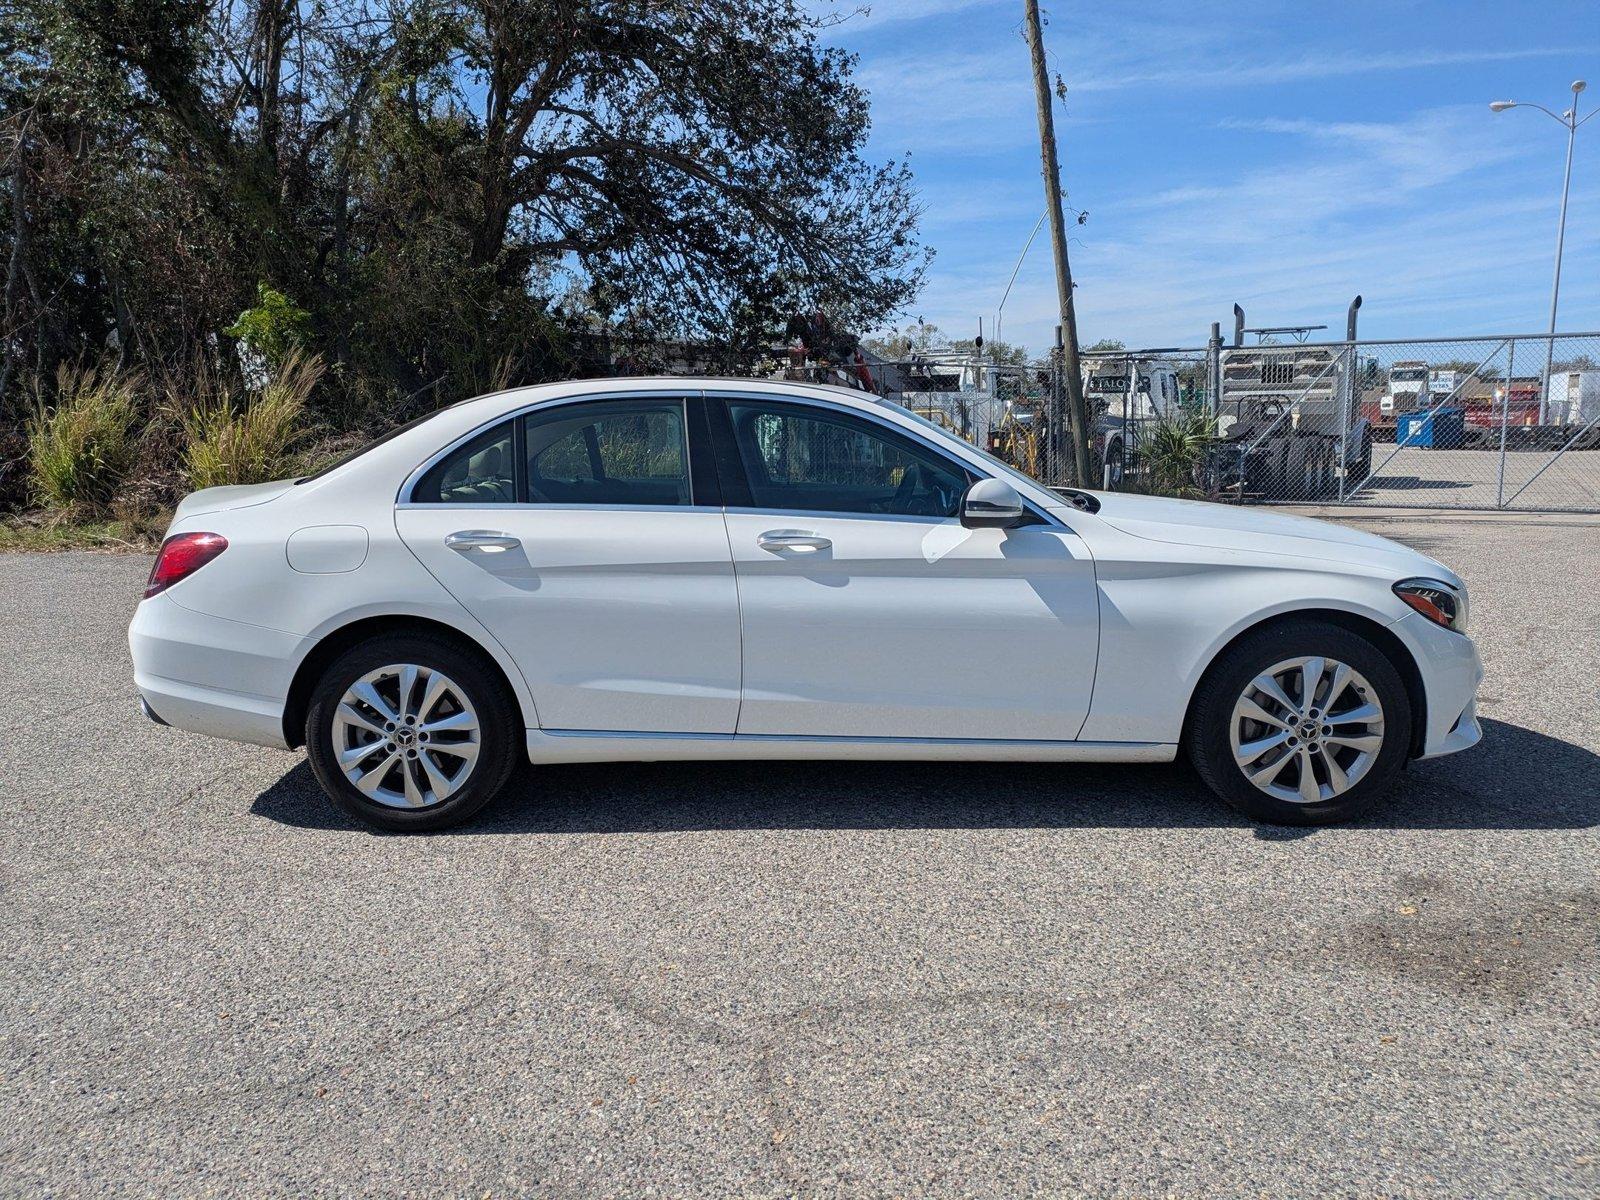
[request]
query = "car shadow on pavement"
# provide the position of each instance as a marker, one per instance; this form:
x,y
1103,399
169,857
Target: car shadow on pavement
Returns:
x,y
1516,779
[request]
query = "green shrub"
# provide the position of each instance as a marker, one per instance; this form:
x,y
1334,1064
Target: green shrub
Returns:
x,y
255,441
81,449
273,327
1172,451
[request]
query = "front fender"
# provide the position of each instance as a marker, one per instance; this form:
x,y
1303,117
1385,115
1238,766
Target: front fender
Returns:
x,y
1154,649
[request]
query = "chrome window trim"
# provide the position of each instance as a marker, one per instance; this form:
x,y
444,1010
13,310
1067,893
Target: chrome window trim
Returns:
x,y
681,395
535,506
833,514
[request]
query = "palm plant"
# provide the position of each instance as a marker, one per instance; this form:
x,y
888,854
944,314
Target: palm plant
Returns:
x,y
1172,453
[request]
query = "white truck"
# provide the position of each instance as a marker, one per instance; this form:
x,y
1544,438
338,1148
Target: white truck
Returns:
x,y
1574,398
1121,392
1409,391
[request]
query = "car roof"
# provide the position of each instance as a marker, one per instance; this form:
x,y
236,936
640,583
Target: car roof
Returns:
x,y
457,421
532,393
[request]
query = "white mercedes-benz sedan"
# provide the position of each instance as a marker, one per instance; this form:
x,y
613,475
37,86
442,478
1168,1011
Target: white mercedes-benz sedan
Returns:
x,y
645,569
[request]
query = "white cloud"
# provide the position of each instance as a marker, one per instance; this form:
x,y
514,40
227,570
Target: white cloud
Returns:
x,y
1431,217
845,17
1443,217
965,101
1222,73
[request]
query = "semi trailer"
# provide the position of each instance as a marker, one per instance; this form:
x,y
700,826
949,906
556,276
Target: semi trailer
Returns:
x,y
1289,417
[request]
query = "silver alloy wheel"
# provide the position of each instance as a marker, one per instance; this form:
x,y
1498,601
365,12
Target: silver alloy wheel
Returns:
x,y
406,736
1307,730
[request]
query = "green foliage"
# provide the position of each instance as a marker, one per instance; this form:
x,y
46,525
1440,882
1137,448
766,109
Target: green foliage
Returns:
x,y
36,533
1005,353
1105,346
273,327
1172,451
410,191
256,441
81,448
917,337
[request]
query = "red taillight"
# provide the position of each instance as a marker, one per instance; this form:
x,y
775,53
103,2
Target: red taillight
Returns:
x,y
181,556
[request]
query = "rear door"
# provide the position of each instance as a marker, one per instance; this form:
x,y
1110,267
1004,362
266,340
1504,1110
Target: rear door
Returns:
x,y
868,610
584,538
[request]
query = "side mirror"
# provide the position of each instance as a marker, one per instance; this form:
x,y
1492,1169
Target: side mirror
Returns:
x,y
991,504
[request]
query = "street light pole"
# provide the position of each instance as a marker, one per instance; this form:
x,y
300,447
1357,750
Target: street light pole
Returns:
x,y
1006,295
1570,121
1561,238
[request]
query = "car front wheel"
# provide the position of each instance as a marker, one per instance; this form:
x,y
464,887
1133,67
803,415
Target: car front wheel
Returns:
x,y
410,732
1302,723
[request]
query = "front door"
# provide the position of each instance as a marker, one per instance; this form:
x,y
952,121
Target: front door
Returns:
x,y
868,610
574,535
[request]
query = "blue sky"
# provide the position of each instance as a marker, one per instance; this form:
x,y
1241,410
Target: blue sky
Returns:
x,y
1282,155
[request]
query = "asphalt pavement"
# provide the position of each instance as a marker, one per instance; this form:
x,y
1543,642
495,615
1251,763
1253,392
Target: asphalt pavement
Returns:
x,y
775,980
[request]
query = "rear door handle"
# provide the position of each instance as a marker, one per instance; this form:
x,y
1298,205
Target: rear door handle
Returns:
x,y
486,541
792,539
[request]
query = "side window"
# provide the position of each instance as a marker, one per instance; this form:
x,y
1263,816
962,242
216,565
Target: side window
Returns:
x,y
808,459
481,472
622,452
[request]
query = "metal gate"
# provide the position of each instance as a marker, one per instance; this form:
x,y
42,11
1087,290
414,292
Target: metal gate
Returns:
x,y
1505,422
1510,421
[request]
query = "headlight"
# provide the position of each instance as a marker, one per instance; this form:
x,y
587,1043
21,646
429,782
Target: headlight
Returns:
x,y
1438,601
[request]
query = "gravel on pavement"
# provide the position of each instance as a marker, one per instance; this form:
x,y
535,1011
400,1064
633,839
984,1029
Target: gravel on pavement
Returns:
x,y
800,979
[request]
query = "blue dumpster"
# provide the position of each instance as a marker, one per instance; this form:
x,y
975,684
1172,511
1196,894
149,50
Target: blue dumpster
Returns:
x,y
1441,430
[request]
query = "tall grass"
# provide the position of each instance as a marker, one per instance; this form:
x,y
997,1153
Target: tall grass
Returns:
x,y
81,448
254,441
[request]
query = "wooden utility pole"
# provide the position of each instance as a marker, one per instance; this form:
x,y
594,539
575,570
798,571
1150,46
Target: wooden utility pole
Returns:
x,y
1077,411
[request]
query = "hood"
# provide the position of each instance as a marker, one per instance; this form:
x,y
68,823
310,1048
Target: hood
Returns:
x,y
1237,527
219,499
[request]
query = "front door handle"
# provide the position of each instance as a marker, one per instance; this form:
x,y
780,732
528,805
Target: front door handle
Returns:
x,y
792,539
486,541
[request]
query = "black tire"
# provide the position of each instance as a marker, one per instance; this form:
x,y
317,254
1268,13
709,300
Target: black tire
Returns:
x,y
1364,464
498,723
1117,465
1322,471
1274,477
1207,733
1300,470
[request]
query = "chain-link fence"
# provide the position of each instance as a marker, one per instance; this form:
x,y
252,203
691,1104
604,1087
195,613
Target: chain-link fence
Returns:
x,y
1497,422
1507,422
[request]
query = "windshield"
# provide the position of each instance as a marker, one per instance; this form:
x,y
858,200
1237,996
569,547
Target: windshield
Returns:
x,y
1409,375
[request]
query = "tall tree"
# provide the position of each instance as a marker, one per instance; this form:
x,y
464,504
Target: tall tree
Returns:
x,y
426,177
698,159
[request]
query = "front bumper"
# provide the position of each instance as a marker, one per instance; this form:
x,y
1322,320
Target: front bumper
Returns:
x,y
1451,671
210,675
1465,734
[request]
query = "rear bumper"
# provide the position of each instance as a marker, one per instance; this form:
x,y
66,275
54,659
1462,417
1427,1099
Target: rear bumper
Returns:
x,y
210,675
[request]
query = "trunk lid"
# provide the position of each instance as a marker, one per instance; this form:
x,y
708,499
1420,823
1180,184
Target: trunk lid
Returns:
x,y
220,499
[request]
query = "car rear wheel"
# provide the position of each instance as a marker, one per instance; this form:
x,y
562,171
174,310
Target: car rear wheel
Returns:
x,y
1303,723
410,732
